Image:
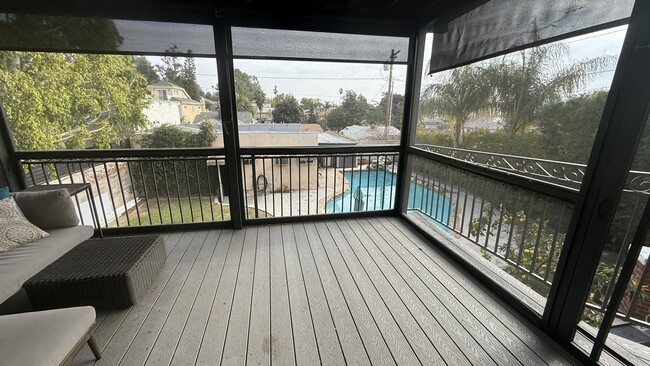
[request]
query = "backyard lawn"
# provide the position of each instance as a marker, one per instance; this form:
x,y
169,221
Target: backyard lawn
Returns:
x,y
175,211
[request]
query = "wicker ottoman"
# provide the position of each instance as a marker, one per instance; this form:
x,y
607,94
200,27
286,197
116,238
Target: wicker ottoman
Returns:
x,y
104,273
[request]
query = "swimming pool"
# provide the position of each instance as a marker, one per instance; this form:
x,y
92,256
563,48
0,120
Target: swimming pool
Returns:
x,y
376,190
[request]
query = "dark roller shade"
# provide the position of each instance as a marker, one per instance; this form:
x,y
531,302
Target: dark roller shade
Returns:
x,y
499,26
288,44
73,34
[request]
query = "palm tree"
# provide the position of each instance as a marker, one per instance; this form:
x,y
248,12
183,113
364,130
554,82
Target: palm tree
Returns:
x,y
526,81
457,94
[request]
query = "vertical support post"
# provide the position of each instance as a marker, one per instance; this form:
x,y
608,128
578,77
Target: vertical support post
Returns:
x,y
226,76
11,168
621,127
410,118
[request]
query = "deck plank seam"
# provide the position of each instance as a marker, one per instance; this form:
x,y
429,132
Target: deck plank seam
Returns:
x,y
441,302
522,322
322,287
381,296
250,308
338,284
223,268
325,230
232,300
373,316
304,284
172,305
197,292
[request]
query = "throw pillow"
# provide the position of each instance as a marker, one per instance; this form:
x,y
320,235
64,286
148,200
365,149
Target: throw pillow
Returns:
x,y
51,209
14,227
4,192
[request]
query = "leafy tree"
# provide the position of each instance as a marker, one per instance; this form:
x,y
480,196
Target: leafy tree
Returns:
x,y
247,90
56,100
377,115
188,79
457,94
175,178
174,137
311,106
182,72
526,81
353,110
55,32
287,109
144,67
569,127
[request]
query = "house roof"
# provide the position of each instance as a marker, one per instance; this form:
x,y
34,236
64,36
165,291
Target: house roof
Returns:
x,y
329,138
164,84
356,132
310,127
184,100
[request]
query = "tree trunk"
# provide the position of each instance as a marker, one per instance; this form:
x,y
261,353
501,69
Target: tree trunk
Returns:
x,y
459,133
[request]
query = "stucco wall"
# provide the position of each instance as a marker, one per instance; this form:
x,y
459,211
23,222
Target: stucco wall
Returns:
x,y
163,111
270,139
291,175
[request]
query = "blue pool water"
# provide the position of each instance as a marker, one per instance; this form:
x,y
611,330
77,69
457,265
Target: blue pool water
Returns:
x,y
377,192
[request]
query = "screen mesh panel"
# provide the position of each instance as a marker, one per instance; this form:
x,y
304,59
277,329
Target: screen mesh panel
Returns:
x,y
57,33
275,43
502,25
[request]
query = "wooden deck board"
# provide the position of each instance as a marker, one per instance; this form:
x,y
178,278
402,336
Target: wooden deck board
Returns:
x,y
365,291
259,332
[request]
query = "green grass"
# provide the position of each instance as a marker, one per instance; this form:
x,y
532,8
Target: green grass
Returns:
x,y
175,212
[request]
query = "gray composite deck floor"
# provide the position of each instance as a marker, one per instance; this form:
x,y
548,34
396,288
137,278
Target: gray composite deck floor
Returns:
x,y
360,292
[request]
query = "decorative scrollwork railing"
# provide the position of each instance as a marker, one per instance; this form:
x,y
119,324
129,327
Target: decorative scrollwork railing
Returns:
x,y
563,173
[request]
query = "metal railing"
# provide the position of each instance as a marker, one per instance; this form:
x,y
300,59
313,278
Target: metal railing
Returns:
x,y
309,182
512,226
137,187
521,224
566,174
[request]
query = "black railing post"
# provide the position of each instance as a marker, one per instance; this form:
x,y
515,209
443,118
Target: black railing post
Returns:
x,y
410,117
10,165
225,68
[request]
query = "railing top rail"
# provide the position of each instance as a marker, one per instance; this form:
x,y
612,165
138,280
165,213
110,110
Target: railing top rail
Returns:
x,y
117,153
503,155
567,194
319,150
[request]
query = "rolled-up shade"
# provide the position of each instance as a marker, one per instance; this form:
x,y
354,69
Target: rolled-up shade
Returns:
x,y
499,26
306,45
74,34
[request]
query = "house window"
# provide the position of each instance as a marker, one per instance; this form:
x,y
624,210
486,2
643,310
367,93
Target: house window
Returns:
x,y
162,94
247,161
282,161
307,160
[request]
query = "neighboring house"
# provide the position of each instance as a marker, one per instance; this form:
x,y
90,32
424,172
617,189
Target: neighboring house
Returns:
x,y
310,127
372,134
434,124
244,117
489,124
171,105
333,139
266,114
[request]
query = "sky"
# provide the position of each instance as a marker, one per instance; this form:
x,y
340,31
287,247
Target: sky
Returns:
x,y
323,80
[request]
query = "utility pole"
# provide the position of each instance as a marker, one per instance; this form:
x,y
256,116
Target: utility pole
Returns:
x,y
389,94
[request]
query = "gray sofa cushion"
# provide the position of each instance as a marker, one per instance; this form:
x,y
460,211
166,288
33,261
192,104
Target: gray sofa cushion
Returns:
x,y
14,227
43,337
19,264
48,209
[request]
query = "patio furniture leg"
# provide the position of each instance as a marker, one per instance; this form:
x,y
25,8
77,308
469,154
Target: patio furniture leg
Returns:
x,y
94,347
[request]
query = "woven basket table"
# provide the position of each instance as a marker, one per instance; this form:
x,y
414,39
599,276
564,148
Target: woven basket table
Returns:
x,y
104,273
